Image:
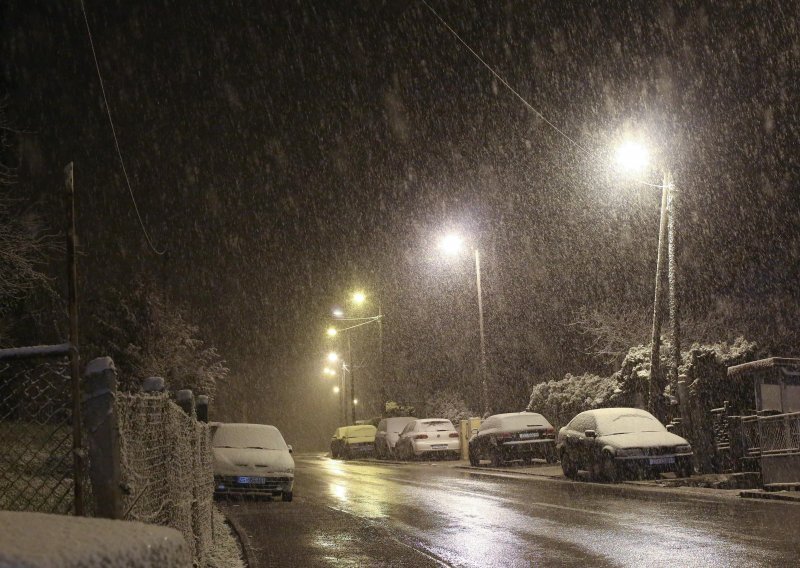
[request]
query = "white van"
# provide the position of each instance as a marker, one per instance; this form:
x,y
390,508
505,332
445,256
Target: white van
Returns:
x,y
251,459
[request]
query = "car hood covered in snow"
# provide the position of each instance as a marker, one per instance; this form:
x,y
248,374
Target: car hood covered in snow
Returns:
x,y
253,462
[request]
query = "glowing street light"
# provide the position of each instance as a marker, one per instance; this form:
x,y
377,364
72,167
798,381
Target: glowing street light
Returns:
x,y
328,371
633,157
355,401
359,298
337,313
452,245
332,357
336,390
331,332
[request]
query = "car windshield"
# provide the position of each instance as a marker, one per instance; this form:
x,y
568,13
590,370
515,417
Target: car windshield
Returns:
x,y
627,424
437,426
360,432
255,436
523,421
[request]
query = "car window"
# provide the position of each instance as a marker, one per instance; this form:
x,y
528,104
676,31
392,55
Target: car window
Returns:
x,y
409,427
628,423
436,426
257,436
487,424
581,423
523,421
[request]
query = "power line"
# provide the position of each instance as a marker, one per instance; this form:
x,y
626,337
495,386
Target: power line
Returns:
x,y
514,91
116,141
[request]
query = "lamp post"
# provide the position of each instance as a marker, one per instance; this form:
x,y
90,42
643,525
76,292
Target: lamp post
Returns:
x,y
452,245
358,298
632,156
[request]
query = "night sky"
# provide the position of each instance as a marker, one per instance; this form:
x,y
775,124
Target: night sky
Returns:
x,y
285,154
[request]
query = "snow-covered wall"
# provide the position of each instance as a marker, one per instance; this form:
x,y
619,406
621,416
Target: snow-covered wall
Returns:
x,y
38,540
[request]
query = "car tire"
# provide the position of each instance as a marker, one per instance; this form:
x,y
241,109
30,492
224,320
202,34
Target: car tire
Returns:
x,y
568,466
497,458
287,496
608,468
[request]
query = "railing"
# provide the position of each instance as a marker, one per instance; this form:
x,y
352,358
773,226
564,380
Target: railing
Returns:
x,y
780,434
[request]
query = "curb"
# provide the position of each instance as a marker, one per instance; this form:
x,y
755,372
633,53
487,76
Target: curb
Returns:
x,y
770,495
247,547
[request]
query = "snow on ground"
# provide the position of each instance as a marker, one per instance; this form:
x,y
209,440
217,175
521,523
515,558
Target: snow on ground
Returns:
x,y
227,551
39,540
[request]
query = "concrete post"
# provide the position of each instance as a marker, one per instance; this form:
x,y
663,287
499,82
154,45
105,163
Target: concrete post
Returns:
x,y
185,400
103,437
202,408
153,384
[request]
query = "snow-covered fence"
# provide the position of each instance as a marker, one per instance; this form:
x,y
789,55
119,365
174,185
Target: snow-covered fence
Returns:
x,y
37,470
161,472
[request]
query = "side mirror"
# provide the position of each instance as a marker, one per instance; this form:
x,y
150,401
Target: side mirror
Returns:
x,y
590,434
290,448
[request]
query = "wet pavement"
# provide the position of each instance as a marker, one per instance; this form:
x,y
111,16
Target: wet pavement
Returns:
x,y
435,514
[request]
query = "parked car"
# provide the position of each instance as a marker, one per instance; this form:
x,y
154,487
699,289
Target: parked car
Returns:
x,y
429,437
353,441
388,433
514,436
252,460
612,443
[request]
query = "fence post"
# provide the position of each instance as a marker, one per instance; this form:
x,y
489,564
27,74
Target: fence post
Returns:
x,y
202,408
103,433
185,400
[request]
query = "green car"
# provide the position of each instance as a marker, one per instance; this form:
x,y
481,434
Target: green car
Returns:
x,y
353,441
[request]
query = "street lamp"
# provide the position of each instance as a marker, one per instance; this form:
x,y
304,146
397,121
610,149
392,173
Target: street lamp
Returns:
x,y
633,157
336,390
328,371
332,357
331,331
452,245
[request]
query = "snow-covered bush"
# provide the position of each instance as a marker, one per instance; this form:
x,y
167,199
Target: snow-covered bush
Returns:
x,y
560,400
447,404
392,409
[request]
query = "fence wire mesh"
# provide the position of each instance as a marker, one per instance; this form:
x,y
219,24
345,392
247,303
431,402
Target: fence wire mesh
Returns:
x,y
36,460
166,468
780,434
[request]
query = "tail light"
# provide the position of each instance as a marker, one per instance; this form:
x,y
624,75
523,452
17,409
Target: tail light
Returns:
x,y
454,434
503,436
550,433
421,437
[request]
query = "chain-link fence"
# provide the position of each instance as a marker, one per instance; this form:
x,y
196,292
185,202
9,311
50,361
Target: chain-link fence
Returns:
x,y
36,459
166,468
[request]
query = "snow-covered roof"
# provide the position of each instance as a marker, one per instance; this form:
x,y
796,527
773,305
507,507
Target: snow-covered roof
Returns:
x,y
761,364
604,412
43,541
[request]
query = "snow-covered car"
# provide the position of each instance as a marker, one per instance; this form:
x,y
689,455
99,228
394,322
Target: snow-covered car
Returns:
x,y
349,442
613,443
428,437
388,433
513,436
251,460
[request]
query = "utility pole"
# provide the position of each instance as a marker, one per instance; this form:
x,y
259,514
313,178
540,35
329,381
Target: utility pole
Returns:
x,y
674,305
352,378
655,386
74,358
484,370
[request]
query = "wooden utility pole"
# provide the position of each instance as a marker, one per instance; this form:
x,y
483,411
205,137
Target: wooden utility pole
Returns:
x,y
655,387
74,355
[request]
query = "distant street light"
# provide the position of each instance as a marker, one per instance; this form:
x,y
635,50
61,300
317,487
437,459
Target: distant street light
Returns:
x,y
333,357
452,245
633,157
331,331
336,390
328,371
337,313
359,298
355,401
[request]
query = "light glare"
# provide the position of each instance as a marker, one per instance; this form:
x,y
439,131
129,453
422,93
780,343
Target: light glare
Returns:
x,y
333,357
331,331
632,157
451,244
336,390
359,298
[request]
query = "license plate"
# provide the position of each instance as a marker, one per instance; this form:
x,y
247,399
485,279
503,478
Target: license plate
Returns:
x,y
253,480
439,446
526,435
662,461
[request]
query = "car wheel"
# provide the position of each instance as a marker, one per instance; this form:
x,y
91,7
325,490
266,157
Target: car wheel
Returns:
x,y
685,469
286,496
568,466
608,468
497,458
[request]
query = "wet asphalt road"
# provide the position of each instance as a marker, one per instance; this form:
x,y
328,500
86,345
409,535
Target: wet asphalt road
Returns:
x,y
421,514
